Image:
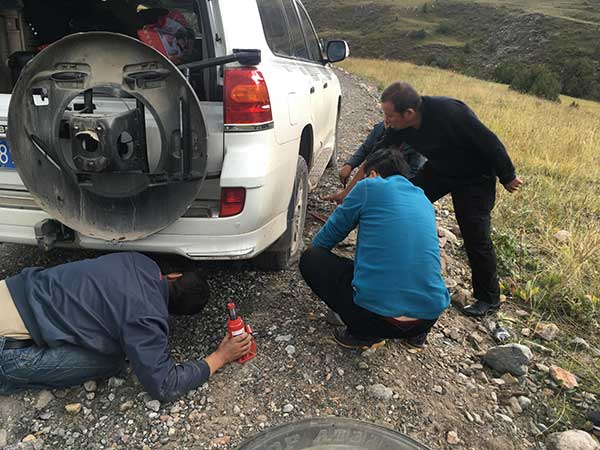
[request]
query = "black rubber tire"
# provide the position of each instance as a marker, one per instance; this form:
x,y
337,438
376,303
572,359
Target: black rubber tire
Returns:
x,y
331,434
280,254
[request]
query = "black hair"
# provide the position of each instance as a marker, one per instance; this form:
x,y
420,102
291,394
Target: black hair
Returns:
x,y
188,294
403,96
387,162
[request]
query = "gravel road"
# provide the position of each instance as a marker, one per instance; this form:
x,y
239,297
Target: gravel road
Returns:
x,y
443,397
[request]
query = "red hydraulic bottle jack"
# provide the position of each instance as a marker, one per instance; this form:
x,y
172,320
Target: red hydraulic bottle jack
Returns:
x,y
235,327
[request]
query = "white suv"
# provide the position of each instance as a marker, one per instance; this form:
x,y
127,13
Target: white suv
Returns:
x,y
194,127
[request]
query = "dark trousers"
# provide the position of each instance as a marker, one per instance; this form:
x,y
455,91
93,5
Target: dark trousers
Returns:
x,y
473,203
330,277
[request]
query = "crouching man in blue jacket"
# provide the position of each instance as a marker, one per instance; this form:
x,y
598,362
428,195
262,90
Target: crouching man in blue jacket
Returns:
x,y
65,325
394,287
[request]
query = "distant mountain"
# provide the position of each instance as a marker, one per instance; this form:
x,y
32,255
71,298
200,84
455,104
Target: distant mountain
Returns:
x,y
475,37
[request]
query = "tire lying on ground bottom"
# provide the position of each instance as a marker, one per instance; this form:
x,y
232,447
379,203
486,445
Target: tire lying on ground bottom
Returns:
x,y
289,246
331,434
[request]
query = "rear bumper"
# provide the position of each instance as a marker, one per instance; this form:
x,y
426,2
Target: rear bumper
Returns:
x,y
17,226
253,161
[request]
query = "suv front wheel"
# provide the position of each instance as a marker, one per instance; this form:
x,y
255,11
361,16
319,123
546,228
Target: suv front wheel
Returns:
x,y
289,246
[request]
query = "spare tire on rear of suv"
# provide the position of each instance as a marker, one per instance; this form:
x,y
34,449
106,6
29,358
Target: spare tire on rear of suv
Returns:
x,y
94,169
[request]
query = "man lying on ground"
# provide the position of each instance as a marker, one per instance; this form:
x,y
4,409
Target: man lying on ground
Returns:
x,y
372,143
394,287
65,325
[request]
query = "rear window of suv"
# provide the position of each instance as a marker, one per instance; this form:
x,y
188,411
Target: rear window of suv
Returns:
x,y
282,28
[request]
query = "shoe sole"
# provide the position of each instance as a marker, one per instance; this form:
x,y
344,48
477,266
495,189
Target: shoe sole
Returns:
x,y
359,347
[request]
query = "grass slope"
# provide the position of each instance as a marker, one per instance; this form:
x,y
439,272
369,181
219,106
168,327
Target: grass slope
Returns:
x,y
555,149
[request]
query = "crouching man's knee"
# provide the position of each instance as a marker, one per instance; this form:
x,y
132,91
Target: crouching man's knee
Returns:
x,y
309,261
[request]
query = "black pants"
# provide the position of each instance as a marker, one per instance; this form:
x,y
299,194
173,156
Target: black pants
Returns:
x,y
330,277
473,203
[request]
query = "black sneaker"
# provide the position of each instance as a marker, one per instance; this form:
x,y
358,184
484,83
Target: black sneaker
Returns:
x,y
480,309
343,337
415,344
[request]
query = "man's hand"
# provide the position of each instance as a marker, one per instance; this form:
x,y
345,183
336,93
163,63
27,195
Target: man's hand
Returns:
x,y
514,185
230,349
345,172
337,198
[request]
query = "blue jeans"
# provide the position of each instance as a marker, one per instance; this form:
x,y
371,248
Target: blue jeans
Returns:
x,y
43,368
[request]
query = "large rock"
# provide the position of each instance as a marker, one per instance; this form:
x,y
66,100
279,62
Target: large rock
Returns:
x,y
153,405
563,377
547,331
43,399
73,408
90,386
571,440
380,392
511,358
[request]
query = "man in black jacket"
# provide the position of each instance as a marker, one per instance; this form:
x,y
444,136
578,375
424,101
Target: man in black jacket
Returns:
x,y
464,159
68,324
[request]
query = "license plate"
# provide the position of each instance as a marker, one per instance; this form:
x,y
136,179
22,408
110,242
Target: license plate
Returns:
x,y
6,160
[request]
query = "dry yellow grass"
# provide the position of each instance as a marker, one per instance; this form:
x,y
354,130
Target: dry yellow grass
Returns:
x,y
556,149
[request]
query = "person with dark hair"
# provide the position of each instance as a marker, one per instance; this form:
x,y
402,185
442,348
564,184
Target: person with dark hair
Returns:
x,y
80,321
394,287
464,160
372,143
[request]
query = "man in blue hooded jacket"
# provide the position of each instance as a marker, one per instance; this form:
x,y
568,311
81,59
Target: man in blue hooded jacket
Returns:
x,y
68,324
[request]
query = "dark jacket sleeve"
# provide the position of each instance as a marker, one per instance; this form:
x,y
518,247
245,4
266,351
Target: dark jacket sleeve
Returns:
x,y
486,142
145,341
363,151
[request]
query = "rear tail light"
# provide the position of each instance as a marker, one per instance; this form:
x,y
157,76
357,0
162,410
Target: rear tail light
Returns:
x,y
246,97
232,201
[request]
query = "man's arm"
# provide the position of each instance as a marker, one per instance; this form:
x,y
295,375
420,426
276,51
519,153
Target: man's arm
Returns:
x,y
343,220
361,152
230,349
486,142
339,197
145,342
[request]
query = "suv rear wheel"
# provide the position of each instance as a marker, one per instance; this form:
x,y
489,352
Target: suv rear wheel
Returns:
x,y
289,246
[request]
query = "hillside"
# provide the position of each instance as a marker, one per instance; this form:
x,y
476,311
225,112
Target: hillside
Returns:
x,y
473,37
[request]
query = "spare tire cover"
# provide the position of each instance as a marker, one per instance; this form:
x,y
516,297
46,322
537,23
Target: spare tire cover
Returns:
x,y
117,204
331,434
